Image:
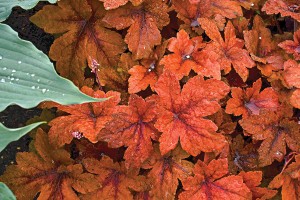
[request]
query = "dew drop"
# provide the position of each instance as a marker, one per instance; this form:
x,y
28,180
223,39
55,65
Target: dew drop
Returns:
x,y
33,87
44,90
259,38
12,79
38,80
4,68
13,71
63,94
32,75
2,80
1,57
19,62
278,156
47,90
17,79
27,73
252,4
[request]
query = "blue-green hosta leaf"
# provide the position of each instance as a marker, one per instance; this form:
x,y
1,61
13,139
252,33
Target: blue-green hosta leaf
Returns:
x,y
27,77
7,5
8,135
6,193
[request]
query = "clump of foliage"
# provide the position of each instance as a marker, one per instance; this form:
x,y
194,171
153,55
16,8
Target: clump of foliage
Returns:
x,y
204,99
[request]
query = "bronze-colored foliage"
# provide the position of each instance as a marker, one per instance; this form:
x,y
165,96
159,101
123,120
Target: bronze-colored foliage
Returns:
x,y
51,173
83,35
171,128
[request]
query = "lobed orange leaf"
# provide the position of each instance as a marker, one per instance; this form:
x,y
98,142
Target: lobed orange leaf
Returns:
x,y
147,73
181,113
132,126
83,35
86,119
51,173
251,101
252,180
187,56
229,50
116,182
284,7
292,47
291,76
144,21
210,182
277,130
165,172
258,41
189,12
289,181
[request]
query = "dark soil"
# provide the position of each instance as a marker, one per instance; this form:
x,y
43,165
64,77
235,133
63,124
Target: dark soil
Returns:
x,y
15,116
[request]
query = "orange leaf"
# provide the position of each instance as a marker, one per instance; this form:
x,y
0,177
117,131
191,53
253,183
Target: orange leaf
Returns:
x,y
276,130
210,182
132,126
52,173
285,8
295,99
229,50
181,113
116,182
292,73
292,47
292,78
189,12
186,56
112,4
116,77
144,21
83,36
259,41
289,181
165,172
251,101
86,119
227,8
147,73
252,180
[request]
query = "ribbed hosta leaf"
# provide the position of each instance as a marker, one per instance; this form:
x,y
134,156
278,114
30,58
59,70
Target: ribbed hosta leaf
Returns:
x,y
7,5
27,77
